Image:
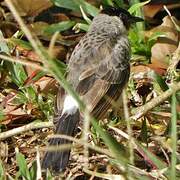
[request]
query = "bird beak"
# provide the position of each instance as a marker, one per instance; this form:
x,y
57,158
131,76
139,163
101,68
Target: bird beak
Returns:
x,y
135,19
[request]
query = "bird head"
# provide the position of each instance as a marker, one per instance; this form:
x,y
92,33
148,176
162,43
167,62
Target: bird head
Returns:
x,y
123,14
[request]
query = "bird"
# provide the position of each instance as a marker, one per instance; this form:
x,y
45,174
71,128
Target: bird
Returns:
x,y
98,68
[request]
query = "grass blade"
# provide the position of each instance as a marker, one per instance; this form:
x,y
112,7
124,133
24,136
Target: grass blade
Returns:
x,y
173,137
74,5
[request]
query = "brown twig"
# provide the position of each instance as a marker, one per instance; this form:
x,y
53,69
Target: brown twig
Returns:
x,y
139,112
171,71
31,126
22,61
77,141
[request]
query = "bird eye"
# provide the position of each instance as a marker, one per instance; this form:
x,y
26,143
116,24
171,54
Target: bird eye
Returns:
x,y
123,17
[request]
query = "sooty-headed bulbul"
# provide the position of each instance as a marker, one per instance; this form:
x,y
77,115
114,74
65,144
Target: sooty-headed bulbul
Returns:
x,y
98,68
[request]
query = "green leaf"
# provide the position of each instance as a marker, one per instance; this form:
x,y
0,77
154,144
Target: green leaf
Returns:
x,y
81,26
156,35
30,93
153,38
136,6
85,16
137,11
108,2
2,116
138,45
20,98
144,132
159,164
33,170
49,175
17,74
174,137
16,71
74,5
120,3
160,81
3,45
18,42
59,27
46,106
68,4
2,173
61,66
23,168
39,75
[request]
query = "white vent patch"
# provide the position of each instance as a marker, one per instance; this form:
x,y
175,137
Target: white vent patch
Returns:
x,y
70,105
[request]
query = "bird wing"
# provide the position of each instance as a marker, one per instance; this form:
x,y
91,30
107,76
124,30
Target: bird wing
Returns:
x,y
95,70
94,59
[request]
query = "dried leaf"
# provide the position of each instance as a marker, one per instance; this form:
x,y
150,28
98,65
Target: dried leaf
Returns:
x,y
31,7
165,46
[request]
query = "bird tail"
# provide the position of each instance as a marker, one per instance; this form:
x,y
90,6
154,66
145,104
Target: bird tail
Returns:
x,y
66,124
